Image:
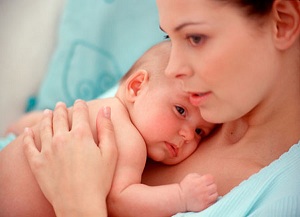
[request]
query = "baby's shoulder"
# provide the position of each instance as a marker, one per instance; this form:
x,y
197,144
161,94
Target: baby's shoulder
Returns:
x,y
119,113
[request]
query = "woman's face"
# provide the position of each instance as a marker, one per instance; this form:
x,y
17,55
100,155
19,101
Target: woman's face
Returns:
x,y
225,59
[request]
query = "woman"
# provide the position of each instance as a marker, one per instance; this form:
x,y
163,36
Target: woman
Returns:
x,y
239,61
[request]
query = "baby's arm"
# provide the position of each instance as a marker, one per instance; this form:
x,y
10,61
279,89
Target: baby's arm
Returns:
x,y
193,193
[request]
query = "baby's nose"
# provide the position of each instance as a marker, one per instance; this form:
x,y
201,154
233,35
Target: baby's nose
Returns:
x,y
187,132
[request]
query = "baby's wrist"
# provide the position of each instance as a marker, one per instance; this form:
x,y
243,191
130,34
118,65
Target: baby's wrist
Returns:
x,y
182,199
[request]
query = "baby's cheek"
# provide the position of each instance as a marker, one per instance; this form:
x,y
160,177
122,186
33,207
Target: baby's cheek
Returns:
x,y
190,150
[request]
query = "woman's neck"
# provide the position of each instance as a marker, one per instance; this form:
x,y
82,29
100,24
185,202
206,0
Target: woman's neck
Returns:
x,y
234,131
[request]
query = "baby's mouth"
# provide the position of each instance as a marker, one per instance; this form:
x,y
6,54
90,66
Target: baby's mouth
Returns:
x,y
173,150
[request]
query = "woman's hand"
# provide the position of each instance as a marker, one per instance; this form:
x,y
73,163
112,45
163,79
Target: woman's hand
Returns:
x,y
74,172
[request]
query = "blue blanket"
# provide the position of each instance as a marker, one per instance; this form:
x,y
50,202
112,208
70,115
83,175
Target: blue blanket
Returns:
x,y
274,191
98,41
6,140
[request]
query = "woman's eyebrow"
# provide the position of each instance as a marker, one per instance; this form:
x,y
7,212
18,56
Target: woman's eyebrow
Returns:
x,y
179,27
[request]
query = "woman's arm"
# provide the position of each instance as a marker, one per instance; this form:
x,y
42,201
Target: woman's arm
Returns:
x,y
28,120
69,159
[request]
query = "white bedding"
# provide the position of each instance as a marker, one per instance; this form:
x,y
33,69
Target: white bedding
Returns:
x,y
27,40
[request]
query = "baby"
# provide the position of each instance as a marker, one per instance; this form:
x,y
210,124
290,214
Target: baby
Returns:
x,y
152,118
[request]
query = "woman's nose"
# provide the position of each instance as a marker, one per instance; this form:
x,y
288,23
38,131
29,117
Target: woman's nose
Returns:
x,y
177,66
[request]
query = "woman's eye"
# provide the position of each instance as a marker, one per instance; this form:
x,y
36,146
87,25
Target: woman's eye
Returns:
x,y
166,37
195,39
180,110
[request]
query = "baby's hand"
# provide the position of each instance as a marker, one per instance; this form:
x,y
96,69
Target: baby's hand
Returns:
x,y
198,191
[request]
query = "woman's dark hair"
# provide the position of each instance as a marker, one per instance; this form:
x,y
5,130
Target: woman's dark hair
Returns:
x,y
253,7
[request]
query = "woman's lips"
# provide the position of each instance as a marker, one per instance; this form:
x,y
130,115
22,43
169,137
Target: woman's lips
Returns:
x,y
173,150
197,99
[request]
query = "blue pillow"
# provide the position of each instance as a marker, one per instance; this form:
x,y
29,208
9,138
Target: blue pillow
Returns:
x,y
98,42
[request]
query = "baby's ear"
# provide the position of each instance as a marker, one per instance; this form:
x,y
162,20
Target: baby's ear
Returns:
x,y
135,83
287,20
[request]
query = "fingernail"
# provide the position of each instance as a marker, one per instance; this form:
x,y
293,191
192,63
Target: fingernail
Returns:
x,y
59,103
46,111
26,130
107,112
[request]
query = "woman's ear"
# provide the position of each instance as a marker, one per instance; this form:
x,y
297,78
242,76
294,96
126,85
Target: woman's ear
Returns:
x,y
135,83
287,20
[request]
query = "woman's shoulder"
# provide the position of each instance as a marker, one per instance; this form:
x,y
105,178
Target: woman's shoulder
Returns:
x,y
275,183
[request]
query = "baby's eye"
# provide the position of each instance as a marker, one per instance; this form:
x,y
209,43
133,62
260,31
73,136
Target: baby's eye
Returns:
x,y
199,131
180,110
195,39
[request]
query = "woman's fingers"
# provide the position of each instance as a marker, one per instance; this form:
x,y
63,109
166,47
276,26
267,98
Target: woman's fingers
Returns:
x,y
33,155
30,150
46,130
80,119
107,145
72,169
106,135
60,119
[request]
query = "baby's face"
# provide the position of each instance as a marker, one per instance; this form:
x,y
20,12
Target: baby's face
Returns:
x,y
170,125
